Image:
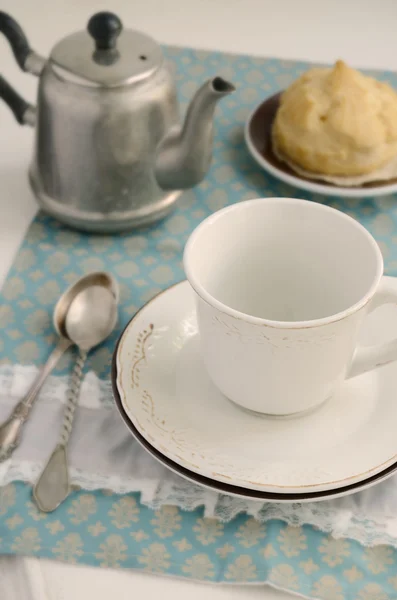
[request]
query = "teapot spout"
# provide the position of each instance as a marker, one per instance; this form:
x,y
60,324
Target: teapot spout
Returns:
x,y
184,155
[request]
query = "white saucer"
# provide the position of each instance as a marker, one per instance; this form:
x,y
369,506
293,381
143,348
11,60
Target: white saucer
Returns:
x,y
167,395
240,492
258,139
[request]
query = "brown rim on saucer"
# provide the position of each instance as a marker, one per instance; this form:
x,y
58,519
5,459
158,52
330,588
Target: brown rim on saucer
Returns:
x,y
217,485
260,128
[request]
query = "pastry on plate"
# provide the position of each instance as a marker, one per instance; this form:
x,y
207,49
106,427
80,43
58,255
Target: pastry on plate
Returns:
x,y
337,122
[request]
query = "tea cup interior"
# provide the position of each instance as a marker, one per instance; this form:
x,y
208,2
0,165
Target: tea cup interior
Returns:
x,y
283,260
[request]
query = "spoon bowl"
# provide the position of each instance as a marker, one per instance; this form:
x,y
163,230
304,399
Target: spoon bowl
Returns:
x,y
74,310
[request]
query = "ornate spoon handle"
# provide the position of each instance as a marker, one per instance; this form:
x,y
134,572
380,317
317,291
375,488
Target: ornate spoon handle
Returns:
x,y
73,398
10,430
53,485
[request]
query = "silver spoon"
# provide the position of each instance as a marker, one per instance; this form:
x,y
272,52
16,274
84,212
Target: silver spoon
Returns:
x,y
89,320
10,430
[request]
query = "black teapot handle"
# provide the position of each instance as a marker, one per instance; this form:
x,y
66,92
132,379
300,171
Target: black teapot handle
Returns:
x,y
27,59
16,37
23,111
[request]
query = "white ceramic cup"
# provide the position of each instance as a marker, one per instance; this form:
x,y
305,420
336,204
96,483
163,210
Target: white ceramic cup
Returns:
x,y
282,288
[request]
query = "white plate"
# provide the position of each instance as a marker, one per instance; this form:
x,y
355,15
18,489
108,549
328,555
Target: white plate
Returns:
x,y
167,395
258,140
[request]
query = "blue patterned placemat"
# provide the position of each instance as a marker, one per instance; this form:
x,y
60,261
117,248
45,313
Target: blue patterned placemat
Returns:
x,y
116,531
101,529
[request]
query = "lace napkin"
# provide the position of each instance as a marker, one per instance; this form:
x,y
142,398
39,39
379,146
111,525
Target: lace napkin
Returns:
x,y
104,455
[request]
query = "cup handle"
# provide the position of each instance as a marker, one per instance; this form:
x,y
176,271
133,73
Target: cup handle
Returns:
x,y
367,358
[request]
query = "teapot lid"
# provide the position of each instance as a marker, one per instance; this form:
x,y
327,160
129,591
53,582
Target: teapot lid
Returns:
x,y
106,55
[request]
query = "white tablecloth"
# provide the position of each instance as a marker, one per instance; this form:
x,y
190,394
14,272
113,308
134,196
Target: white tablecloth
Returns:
x,y
362,32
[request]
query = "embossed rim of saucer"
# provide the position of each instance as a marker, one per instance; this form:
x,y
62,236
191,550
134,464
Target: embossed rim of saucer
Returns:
x,y
191,427
239,492
258,139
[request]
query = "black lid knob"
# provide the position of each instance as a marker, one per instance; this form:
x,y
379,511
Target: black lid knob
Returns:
x,y
105,28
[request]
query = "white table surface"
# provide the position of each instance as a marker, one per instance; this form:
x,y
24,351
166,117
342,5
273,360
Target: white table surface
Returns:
x,y
362,32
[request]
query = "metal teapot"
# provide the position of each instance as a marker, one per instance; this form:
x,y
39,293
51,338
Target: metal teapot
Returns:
x,y
110,153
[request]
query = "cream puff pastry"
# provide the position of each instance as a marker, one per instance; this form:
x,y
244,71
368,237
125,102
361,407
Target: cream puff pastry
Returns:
x,y
337,121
